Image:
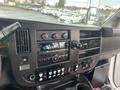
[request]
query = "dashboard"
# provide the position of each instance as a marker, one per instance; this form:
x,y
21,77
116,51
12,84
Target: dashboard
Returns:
x,y
42,53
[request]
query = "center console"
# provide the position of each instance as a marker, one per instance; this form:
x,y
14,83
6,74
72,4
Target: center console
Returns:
x,y
53,50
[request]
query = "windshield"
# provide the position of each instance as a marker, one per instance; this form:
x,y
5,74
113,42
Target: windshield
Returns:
x,y
85,12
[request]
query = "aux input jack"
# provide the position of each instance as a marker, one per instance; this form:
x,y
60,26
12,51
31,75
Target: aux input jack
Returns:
x,y
32,77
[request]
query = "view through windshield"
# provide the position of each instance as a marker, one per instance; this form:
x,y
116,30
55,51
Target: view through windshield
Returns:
x,y
93,12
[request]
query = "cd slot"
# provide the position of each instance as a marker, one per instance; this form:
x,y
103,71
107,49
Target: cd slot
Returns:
x,y
89,53
52,46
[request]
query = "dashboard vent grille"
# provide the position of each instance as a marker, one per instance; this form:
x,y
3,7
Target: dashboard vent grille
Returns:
x,y
23,41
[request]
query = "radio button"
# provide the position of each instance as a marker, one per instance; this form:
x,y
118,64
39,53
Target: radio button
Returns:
x,y
62,73
50,77
54,73
58,74
40,74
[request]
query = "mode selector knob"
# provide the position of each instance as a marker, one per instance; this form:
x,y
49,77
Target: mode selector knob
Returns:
x,y
55,36
44,36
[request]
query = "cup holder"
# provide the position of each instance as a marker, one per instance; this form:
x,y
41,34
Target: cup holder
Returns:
x,y
81,83
80,87
83,87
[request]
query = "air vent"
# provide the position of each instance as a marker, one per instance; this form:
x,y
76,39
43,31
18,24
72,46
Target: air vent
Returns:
x,y
23,41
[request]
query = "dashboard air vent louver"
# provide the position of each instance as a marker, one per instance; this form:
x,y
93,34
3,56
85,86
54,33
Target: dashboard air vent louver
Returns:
x,y
23,41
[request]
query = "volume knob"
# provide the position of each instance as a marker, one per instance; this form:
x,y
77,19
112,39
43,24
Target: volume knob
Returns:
x,y
55,58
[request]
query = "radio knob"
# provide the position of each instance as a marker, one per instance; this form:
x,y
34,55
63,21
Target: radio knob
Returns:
x,y
44,36
55,35
55,58
64,35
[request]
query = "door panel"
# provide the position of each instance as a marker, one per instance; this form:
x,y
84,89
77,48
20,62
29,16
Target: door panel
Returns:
x,y
116,72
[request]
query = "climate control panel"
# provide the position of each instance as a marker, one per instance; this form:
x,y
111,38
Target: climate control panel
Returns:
x,y
52,34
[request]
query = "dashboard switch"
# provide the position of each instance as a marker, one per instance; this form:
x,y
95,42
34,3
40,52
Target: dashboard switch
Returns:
x,y
58,74
41,79
40,74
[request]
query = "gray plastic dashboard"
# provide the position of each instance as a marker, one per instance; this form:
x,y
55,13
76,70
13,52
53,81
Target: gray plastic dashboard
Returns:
x,y
25,66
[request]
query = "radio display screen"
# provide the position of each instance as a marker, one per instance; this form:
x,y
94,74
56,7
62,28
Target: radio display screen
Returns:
x,y
52,46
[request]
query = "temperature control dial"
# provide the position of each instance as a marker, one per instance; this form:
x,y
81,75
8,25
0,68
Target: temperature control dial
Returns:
x,y
55,35
64,35
44,36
